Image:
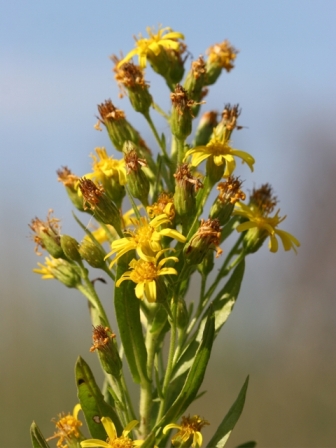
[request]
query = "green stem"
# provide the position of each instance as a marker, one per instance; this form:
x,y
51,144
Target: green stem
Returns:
x,y
226,268
89,292
170,364
156,135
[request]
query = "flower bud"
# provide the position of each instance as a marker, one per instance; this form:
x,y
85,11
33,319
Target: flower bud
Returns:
x,y
70,247
206,238
61,270
220,56
207,264
185,194
91,253
118,128
230,193
205,127
95,198
195,83
228,122
131,77
47,235
181,117
176,63
71,182
137,180
102,338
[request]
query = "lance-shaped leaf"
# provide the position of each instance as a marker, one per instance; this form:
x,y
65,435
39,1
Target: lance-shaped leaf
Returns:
x,y
225,428
92,402
195,376
127,308
222,307
38,441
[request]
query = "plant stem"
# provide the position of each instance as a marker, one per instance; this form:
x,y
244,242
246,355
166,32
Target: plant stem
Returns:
x,y
170,363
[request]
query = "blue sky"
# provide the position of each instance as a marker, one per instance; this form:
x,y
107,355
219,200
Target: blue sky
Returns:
x,y
55,69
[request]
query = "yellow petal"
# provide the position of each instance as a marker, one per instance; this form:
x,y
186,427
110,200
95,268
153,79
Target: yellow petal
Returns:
x,y
150,291
109,427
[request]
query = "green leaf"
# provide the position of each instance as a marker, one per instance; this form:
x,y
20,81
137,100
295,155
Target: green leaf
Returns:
x,y
222,307
92,402
225,428
195,376
226,298
249,444
38,441
127,308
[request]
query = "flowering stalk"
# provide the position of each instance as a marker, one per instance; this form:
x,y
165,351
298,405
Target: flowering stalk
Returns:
x,y
152,252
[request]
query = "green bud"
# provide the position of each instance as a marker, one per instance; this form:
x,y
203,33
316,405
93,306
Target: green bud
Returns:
x,y
206,238
253,239
100,204
70,247
71,182
47,235
195,84
185,194
103,342
118,128
230,193
207,264
137,180
91,253
205,127
66,273
181,117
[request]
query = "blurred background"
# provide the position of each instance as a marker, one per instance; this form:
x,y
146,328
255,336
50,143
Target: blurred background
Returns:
x,y
55,69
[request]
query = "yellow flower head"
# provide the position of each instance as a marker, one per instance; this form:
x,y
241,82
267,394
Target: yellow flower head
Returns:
x,y
59,269
221,152
145,273
68,428
165,38
113,441
189,428
145,239
257,213
222,54
105,166
164,204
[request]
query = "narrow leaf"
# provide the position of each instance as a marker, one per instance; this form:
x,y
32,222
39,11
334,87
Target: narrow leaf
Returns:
x,y
92,401
38,441
127,308
195,376
222,307
225,428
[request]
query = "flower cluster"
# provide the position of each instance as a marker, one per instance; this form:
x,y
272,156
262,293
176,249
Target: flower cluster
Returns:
x,y
149,227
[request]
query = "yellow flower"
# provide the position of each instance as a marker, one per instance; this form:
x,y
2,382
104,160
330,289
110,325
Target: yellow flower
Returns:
x,y
165,38
145,239
190,427
222,54
259,219
164,204
68,429
145,273
221,152
59,269
113,441
104,165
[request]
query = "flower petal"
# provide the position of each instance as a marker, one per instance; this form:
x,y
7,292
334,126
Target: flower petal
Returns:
x,y
109,428
150,291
